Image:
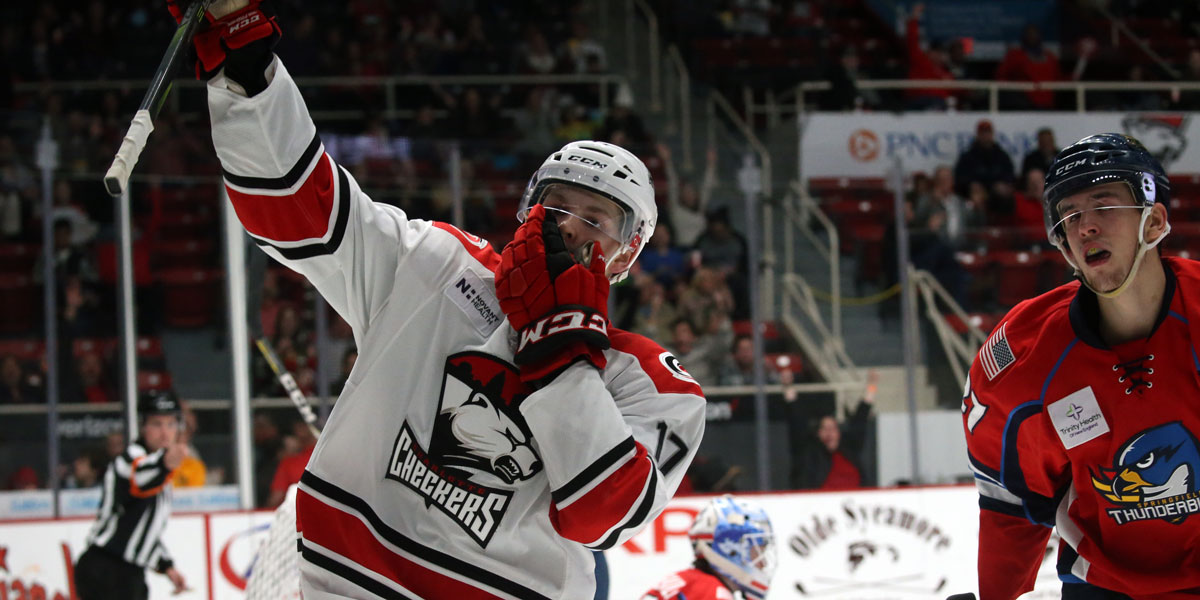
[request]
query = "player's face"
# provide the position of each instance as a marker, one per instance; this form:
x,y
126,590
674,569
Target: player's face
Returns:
x,y
160,431
583,217
1101,227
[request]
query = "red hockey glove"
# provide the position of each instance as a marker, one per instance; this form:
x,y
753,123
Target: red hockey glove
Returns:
x,y
238,29
559,308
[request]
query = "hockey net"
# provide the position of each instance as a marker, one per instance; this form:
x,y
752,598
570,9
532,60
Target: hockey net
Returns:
x,y
275,574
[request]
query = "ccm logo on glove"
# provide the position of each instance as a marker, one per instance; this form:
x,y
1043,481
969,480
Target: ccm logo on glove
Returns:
x,y
568,321
246,21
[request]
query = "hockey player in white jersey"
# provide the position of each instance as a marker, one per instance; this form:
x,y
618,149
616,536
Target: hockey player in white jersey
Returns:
x,y
495,430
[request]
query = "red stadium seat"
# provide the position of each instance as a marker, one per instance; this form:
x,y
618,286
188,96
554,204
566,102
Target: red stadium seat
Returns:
x,y
189,296
184,253
20,300
24,350
153,381
18,258
1016,275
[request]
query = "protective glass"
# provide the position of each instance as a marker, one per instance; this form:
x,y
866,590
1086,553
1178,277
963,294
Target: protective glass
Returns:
x,y
1069,224
588,211
619,226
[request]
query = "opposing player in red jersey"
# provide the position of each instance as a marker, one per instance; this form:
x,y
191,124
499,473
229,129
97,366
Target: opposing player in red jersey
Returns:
x,y
1082,408
735,554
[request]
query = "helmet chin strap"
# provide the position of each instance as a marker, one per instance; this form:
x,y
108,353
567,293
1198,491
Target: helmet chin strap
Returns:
x,y
1143,247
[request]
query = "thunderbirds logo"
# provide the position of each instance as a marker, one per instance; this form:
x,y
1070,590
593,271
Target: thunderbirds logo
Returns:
x,y
480,448
1153,477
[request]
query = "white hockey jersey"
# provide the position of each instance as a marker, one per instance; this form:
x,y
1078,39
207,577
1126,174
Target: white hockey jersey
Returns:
x,y
439,474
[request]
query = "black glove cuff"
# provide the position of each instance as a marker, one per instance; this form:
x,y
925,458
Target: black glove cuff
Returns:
x,y
247,66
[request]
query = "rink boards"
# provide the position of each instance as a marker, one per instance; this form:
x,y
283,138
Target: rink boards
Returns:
x,y
895,543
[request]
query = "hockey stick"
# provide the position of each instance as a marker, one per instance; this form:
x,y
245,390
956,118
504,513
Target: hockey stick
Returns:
x,y
289,383
117,177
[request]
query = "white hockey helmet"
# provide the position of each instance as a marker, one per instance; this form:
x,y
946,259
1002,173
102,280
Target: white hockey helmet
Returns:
x,y
610,171
735,538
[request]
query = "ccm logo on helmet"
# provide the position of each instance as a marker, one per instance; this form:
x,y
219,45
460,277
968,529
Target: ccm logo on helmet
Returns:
x,y
1069,166
591,162
569,320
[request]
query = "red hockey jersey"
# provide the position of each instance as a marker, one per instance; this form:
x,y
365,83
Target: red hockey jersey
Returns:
x,y
689,584
1064,431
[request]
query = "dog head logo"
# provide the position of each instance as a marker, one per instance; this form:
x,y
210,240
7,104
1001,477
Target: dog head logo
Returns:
x,y
478,427
1165,136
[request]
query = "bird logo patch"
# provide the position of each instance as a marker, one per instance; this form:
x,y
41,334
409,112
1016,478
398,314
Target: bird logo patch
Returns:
x,y
1153,476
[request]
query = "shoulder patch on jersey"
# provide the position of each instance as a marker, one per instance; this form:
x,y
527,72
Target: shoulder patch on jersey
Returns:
x,y
664,369
475,245
476,298
1077,418
996,354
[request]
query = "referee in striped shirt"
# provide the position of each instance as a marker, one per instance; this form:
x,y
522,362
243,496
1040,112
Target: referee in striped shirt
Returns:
x,y
134,509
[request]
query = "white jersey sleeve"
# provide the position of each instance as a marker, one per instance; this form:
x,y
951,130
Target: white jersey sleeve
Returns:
x,y
616,442
305,210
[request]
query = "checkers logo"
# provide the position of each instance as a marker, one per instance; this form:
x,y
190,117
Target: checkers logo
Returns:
x,y
864,145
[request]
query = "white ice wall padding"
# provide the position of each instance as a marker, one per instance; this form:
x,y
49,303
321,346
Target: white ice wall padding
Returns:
x,y
914,543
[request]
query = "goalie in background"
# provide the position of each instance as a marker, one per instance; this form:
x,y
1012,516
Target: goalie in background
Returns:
x,y
735,554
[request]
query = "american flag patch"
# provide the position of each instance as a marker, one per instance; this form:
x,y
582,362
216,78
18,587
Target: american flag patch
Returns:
x,y
996,355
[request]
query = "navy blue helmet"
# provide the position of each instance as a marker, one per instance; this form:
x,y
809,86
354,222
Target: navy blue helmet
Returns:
x,y
1096,160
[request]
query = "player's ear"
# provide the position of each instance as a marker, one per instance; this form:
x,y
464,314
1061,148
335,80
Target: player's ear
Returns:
x,y
1156,223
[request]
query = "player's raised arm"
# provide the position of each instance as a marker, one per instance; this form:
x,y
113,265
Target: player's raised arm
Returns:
x,y
295,201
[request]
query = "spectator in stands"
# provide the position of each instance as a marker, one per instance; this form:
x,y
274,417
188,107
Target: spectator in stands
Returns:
x,y
267,443
738,367
15,386
114,444
81,314
710,474
14,212
1029,210
534,124
1189,100
23,478
653,312
581,51
573,122
844,93
87,469
1140,99
700,355
662,259
70,258
943,211
293,344
687,203
475,51
424,132
191,472
831,456
93,382
348,359
984,161
533,55
927,252
1040,157
291,467
621,117
925,64
706,298
724,249
1031,61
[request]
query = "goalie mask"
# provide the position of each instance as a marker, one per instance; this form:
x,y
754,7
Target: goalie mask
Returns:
x,y
735,538
613,173
1097,160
